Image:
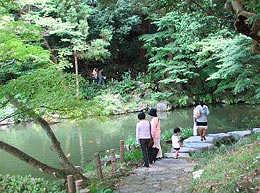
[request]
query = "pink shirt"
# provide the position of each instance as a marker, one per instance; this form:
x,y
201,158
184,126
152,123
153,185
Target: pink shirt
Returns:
x,y
156,128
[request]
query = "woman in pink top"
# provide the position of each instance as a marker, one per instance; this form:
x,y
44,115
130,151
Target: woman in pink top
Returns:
x,y
156,131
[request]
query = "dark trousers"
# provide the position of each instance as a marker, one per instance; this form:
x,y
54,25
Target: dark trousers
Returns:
x,y
145,150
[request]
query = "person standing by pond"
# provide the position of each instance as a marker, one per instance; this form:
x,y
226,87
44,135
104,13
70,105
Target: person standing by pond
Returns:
x,y
94,76
143,135
156,131
201,120
100,76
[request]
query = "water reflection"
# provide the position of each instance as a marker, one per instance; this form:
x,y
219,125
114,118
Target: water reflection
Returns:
x,y
81,139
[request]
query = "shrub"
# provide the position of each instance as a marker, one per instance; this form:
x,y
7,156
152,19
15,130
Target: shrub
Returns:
x,y
17,183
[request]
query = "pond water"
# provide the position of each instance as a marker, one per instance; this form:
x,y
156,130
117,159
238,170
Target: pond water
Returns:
x,y
82,139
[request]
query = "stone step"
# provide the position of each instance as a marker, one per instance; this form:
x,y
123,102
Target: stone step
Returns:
x,y
172,155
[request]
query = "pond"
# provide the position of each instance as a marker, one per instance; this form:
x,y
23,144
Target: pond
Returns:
x,y
82,139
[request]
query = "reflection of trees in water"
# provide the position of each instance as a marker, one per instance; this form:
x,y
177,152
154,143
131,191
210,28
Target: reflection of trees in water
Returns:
x,y
81,149
252,119
233,117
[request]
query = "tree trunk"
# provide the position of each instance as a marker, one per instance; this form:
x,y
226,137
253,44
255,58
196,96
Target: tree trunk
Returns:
x,y
33,162
242,24
77,72
53,58
69,168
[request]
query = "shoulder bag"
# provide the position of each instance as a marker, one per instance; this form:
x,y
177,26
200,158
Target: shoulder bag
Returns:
x,y
151,142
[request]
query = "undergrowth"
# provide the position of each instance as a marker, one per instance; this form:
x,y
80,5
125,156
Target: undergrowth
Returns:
x,y
230,169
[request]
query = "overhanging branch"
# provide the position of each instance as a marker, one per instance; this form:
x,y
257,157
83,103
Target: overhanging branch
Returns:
x,y
32,161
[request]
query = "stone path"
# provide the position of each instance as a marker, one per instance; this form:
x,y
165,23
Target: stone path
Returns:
x,y
164,176
170,175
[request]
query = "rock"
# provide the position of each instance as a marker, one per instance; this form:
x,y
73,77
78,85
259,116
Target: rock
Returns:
x,y
199,146
142,106
181,155
256,130
197,174
240,133
187,150
196,139
223,138
164,106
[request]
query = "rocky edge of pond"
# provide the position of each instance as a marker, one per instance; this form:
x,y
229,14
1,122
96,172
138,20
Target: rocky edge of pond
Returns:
x,y
170,175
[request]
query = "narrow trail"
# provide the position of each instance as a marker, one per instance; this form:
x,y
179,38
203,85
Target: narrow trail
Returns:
x,y
167,175
171,175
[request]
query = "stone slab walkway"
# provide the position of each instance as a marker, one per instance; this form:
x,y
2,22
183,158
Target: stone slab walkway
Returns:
x,y
164,176
170,175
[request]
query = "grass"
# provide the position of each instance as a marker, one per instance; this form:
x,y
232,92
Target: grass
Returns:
x,y
230,169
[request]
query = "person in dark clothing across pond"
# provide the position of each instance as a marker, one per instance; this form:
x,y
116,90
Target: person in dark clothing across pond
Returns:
x,y
100,76
143,136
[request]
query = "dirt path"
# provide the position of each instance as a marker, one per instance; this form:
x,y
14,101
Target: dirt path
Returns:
x,y
165,176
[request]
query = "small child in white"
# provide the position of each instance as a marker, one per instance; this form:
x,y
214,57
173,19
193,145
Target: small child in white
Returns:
x,y
176,141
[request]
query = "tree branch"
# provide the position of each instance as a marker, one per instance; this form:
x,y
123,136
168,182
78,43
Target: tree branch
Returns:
x,y
33,162
55,143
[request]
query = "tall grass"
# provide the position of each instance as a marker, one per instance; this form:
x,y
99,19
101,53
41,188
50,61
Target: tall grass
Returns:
x,y
230,169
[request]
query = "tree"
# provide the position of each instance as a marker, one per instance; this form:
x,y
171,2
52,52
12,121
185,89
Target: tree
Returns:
x,y
172,49
45,90
122,19
235,73
247,21
66,33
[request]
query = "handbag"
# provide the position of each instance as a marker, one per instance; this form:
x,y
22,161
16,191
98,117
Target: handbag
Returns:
x,y
151,142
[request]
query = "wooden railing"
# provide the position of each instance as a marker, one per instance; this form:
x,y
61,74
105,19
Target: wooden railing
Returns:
x,y
77,185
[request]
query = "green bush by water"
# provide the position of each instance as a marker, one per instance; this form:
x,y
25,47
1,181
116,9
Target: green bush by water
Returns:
x,y
17,184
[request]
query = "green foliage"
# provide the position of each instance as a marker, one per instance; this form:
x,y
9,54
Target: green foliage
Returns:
x,y
158,96
125,86
252,122
105,104
105,190
235,73
6,6
46,91
29,184
171,49
166,135
19,50
183,100
234,164
184,134
134,153
252,5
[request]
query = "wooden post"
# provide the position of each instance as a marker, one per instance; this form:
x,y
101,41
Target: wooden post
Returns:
x,y
71,187
122,150
113,159
98,165
78,184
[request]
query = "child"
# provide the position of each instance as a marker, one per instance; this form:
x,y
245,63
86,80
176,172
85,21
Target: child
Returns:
x,y
176,142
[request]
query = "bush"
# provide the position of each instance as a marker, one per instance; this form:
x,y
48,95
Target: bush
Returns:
x,y
17,183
